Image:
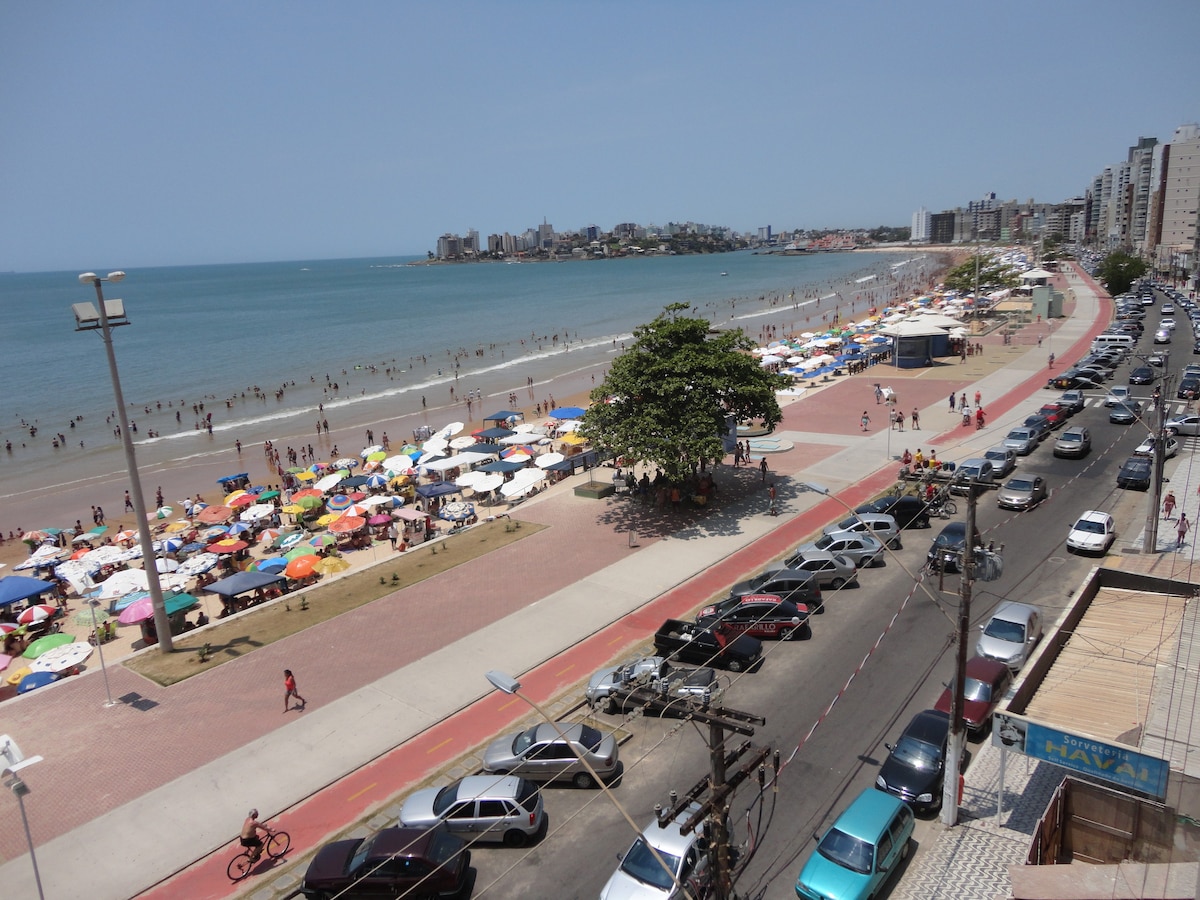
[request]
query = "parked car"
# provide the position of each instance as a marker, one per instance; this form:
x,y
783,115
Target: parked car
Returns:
x,y
916,764
1022,492
390,863
1073,400
641,876
799,587
1118,393
1040,424
1135,473
1003,460
1023,441
882,527
987,681
485,807
908,510
1125,413
545,753
758,615
604,681
1056,415
978,471
1074,442
1149,447
861,850
1011,633
949,543
861,549
831,570
1189,389
1093,532
1142,375
1187,423
690,643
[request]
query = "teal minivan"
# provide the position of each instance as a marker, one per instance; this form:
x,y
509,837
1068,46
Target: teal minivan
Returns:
x,y
860,851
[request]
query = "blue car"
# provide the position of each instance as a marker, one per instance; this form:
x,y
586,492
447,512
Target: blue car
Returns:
x,y
860,851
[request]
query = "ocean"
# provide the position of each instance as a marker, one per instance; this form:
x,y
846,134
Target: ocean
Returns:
x,y
385,332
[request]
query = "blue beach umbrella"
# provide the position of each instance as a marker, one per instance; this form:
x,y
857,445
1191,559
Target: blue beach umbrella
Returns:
x,y
274,564
567,412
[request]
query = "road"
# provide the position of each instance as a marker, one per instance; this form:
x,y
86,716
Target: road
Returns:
x,y
800,680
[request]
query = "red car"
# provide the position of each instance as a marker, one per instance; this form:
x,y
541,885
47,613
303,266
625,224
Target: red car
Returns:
x,y
1054,413
987,683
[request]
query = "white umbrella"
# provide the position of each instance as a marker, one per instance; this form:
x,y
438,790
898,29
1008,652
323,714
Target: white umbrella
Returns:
x,y
166,565
436,445
198,564
448,431
469,479
257,512
399,464
382,500
548,459
62,658
489,482
462,443
367,451
328,483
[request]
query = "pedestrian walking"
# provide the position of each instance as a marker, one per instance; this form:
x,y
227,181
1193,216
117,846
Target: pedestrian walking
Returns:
x,y
762,467
916,420
771,495
1169,505
128,502
899,420
289,685
393,534
978,398
737,453
865,420
952,401
878,395
1050,362
1039,340
962,401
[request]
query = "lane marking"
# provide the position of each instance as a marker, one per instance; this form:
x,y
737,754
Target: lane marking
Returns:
x,y
363,791
437,747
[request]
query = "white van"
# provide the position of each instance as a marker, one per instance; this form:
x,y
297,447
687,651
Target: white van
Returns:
x,y
1105,341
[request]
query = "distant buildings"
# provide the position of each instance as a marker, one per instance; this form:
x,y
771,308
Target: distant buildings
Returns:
x,y
626,238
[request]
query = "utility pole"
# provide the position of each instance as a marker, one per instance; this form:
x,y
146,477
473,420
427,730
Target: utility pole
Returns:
x,y
954,746
1157,460
720,786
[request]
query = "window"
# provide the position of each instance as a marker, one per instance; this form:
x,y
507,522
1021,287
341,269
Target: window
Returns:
x,y
462,811
492,809
884,850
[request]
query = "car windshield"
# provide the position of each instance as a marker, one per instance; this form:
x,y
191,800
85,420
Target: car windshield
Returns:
x,y
1089,527
846,850
975,689
522,741
950,537
590,737
443,847
362,853
1020,484
1019,434
1004,630
1070,437
444,798
823,542
641,863
917,754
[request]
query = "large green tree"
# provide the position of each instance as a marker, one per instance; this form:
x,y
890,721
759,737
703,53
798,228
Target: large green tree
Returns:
x,y
1119,271
665,401
993,276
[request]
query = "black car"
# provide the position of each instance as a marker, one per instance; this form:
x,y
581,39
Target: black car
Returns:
x,y
391,862
687,642
1135,473
759,615
1075,378
916,764
1142,375
945,549
1041,423
1189,389
908,511
788,584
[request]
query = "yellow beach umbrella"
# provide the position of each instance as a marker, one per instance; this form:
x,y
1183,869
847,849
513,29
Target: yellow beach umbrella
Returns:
x,y
293,509
327,518
331,564
231,497
306,476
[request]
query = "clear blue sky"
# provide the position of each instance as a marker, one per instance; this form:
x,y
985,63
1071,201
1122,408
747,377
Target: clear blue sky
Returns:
x,y
160,133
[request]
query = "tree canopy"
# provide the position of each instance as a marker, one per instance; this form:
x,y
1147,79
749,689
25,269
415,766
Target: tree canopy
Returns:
x,y
1119,271
993,275
667,399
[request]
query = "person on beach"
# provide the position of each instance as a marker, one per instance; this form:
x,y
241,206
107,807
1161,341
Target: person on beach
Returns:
x,y
762,465
128,502
952,401
1181,530
289,686
865,420
916,419
978,398
1169,505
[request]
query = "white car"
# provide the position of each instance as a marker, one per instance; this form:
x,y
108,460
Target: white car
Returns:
x,y
1118,393
1167,323
1146,447
660,859
1011,634
1093,532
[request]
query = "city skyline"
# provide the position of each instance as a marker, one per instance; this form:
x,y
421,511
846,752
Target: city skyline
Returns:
x,y
141,134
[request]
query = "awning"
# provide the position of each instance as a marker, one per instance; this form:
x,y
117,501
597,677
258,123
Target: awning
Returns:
x,y
19,587
243,582
437,489
501,465
229,478
489,434
573,439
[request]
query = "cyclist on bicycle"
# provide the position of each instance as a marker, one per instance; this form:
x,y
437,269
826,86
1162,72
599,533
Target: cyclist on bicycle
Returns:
x,y
250,830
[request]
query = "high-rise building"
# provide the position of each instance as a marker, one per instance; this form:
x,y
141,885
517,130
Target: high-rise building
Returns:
x,y
920,226
1179,238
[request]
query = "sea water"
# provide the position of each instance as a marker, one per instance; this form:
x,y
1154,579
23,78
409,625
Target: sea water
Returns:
x,y
388,333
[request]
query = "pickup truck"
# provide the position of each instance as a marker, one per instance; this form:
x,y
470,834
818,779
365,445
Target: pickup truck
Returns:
x,y
691,643
653,686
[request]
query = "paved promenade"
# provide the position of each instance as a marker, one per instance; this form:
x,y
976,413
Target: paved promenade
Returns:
x,y
130,796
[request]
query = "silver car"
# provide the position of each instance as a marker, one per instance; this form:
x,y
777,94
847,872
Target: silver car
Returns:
x,y
1011,634
1118,393
548,753
1022,492
1076,441
831,570
641,874
880,526
861,549
1022,441
1004,460
607,680
481,808
1187,423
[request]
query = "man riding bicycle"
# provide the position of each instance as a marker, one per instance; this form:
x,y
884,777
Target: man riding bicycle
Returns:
x,y
250,830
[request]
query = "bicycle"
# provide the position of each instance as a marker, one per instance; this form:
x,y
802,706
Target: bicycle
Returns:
x,y
275,846
943,509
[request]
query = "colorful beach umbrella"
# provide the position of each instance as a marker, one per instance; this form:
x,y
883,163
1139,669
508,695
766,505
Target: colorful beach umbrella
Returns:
x,y
37,613
301,567
307,492
321,541
49,642
331,564
297,552
213,515
338,502
228,545
274,565
347,524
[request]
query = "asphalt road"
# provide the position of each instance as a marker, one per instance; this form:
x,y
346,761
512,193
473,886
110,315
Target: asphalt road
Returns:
x,y
800,680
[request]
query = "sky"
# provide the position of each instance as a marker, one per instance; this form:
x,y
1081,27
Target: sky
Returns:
x,y
172,133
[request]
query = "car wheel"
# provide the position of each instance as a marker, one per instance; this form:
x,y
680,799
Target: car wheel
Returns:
x,y
894,544
515,838
583,780
836,583
735,665
904,850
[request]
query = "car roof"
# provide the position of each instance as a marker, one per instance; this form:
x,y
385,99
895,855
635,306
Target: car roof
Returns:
x,y
929,726
868,816
1094,515
489,786
667,839
1074,429
1001,451
1011,611
983,668
404,842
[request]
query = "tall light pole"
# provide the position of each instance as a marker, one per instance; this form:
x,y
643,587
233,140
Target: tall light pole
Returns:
x,y
88,318
93,603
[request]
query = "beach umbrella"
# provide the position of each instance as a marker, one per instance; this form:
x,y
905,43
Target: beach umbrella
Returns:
x,y
338,502
308,502
376,481
62,658
329,482
297,552
166,565
274,565
257,513
10,627
268,535
321,541
287,541
126,535
306,475
233,495
213,515
216,532
330,565
327,519
84,616
173,545
301,567
448,431
36,536
347,524
307,492
548,459
138,611
379,519
367,451
37,613
400,463
49,642
163,512
357,509
267,495
567,412
462,443
346,462
81,552
292,509
468,479
243,501
384,500
228,545
239,528
458,511
198,564
35,680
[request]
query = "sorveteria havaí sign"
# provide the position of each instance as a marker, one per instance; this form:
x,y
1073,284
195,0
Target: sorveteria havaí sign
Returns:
x,y
1117,765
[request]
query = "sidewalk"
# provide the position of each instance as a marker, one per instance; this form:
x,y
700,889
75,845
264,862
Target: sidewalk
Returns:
x,y
383,714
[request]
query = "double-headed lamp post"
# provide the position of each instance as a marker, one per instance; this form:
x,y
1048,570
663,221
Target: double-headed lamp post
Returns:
x,y
88,318
509,685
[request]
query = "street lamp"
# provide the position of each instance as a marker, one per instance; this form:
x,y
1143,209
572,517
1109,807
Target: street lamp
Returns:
x,y
509,685
89,318
14,761
93,603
